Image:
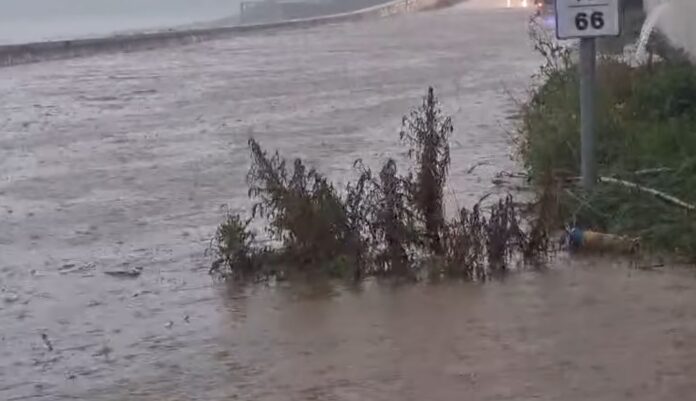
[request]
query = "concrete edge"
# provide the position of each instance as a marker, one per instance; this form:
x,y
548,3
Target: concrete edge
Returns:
x,y
11,55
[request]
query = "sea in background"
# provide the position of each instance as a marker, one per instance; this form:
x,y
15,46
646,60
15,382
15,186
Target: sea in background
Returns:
x,y
23,21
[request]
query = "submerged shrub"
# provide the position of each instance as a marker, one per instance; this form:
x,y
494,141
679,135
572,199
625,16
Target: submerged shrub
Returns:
x,y
381,224
303,210
464,243
391,222
427,133
234,248
503,234
478,245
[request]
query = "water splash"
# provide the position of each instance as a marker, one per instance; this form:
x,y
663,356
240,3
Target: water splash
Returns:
x,y
647,30
675,22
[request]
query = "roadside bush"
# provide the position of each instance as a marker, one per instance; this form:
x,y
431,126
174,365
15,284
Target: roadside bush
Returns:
x,y
664,92
646,134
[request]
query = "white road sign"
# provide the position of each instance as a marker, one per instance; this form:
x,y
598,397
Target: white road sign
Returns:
x,y
587,18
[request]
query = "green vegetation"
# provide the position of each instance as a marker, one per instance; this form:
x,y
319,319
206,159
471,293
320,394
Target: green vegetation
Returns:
x,y
384,224
646,135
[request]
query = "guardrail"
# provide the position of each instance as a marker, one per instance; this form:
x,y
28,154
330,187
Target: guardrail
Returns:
x,y
41,51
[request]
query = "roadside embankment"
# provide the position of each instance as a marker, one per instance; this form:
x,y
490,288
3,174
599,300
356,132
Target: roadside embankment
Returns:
x,y
646,149
33,52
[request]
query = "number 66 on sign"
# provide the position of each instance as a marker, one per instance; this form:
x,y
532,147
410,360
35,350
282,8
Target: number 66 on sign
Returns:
x,y
587,18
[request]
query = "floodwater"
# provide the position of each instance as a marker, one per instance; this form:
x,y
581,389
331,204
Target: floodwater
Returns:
x,y
124,161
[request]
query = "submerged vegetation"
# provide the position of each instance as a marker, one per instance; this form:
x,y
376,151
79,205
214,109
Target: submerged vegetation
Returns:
x,y
385,223
392,221
646,147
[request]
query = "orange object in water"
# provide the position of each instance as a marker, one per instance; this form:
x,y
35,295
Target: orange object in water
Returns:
x,y
596,241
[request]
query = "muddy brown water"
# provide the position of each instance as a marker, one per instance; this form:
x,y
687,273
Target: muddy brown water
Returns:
x,y
123,161
585,329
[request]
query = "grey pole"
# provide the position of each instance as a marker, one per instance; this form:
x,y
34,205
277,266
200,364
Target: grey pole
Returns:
x,y
587,112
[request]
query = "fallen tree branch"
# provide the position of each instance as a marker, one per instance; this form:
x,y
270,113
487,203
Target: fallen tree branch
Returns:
x,y
655,170
661,195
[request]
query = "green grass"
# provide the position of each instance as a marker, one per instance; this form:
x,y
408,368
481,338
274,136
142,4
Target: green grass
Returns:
x,y
646,119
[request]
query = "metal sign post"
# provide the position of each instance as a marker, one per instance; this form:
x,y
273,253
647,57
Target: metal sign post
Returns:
x,y
588,53
587,20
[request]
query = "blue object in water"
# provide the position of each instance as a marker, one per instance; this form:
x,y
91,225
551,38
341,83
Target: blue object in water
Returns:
x,y
575,238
